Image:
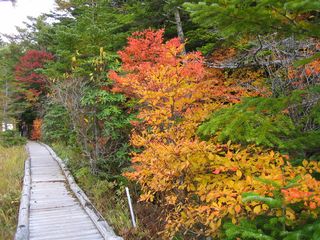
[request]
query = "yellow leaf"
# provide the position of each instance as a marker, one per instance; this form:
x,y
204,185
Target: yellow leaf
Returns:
x,y
229,154
257,209
171,199
304,163
248,208
147,197
279,213
213,225
183,215
219,223
191,187
237,208
210,196
271,153
290,214
211,156
239,173
231,210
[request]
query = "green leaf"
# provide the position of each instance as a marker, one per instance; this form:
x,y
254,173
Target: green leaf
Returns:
x,y
305,61
273,203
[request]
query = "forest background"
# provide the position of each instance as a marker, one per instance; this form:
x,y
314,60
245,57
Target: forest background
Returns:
x,y
207,110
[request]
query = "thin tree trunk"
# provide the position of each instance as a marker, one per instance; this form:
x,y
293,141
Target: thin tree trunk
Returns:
x,y
5,106
179,28
96,141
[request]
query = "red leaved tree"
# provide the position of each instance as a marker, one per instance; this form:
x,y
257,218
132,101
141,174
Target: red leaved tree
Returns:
x,y
27,72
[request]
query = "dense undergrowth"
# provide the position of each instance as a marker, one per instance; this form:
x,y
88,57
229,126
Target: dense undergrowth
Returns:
x,y
11,174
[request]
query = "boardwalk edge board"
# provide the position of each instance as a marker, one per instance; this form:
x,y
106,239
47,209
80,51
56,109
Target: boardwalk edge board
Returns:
x,y
22,232
101,224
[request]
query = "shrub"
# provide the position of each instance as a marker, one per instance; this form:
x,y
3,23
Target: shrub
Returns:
x,y
11,138
56,125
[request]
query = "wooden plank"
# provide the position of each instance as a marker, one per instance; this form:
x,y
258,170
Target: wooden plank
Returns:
x,y
65,231
36,212
58,217
83,237
61,234
45,225
22,232
72,221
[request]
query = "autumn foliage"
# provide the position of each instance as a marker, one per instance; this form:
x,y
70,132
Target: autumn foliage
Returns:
x,y
306,75
26,71
36,129
197,183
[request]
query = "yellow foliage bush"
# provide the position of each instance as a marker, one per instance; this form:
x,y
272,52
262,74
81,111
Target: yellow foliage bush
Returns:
x,y
197,183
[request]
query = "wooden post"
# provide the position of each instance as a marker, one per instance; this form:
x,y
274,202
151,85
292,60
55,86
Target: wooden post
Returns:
x,y
131,208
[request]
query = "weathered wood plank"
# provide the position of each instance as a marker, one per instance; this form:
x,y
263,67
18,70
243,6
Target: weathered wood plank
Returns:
x,y
23,221
82,237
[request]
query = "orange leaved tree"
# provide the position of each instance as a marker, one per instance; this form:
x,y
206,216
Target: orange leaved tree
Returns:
x,y
36,129
196,183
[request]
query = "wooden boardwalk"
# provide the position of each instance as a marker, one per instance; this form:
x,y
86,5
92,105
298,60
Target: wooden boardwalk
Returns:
x,y
50,208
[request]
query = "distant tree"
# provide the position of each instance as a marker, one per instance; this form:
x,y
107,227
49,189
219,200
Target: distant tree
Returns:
x,y
8,85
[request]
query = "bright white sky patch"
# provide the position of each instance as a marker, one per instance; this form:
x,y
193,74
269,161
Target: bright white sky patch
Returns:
x,y
11,16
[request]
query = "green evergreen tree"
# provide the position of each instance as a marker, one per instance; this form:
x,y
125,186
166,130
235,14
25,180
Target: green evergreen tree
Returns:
x,y
235,19
284,123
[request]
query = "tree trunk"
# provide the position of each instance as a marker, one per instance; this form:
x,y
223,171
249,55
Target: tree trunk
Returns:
x,y
96,142
179,28
5,106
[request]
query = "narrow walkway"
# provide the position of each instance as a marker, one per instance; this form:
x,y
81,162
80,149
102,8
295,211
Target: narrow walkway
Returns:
x,y
54,211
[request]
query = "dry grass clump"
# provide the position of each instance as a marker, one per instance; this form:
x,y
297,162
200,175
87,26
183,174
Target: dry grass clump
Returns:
x,y
11,176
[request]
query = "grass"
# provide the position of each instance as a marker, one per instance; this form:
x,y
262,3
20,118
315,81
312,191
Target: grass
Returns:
x,y
11,174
